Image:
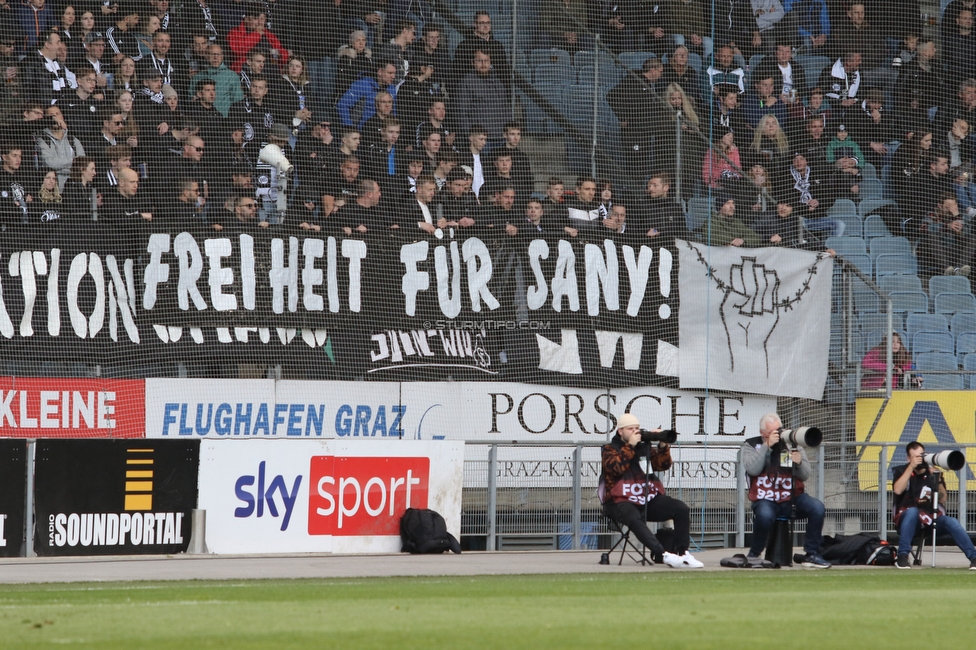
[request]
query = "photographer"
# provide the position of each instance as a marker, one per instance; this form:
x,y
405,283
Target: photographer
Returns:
x,y
775,477
624,483
913,489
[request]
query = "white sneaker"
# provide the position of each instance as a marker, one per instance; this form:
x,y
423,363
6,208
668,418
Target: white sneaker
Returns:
x,y
685,561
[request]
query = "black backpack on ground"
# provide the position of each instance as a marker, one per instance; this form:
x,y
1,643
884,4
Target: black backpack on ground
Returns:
x,y
858,549
425,531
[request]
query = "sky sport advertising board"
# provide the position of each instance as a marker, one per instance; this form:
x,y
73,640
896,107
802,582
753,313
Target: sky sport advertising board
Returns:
x,y
242,409
322,496
114,497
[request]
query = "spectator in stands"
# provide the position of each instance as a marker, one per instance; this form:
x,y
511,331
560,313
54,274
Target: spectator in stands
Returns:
x,y
842,146
616,220
340,186
202,109
364,92
501,216
875,364
227,84
459,206
291,24
843,80
965,190
770,26
810,197
245,217
723,70
34,17
919,89
521,165
50,203
446,162
395,50
947,243
957,143
658,215
292,95
784,496
84,25
565,23
926,190
144,37
473,158
119,158
253,114
667,141
112,123
362,215
420,208
253,66
127,214
186,209
120,36
373,128
691,22
94,58
428,51
771,149
430,145
605,192
729,114
915,504
812,143
583,210
353,61
553,205
385,161
647,22
15,199
789,80
678,71
871,128
958,48
55,147
481,39
415,95
482,99
763,101
722,165
724,229
629,100
909,160
535,225
813,106
252,33
853,33
502,174
79,195
44,77
149,110
437,120
125,77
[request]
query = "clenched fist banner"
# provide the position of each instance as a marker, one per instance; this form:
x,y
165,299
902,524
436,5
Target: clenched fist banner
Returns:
x,y
754,320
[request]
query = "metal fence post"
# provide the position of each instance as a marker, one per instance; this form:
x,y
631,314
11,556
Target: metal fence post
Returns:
x,y
883,493
577,495
962,492
740,502
821,467
29,502
492,496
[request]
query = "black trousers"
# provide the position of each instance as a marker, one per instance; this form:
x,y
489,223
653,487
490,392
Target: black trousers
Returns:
x,y
660,508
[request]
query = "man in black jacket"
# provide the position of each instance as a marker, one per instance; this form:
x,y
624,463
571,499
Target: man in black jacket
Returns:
x,y
480,38
630,100
658,216
630,497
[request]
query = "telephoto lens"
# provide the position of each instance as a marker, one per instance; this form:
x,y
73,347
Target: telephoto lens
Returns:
x,y
950,459
668,435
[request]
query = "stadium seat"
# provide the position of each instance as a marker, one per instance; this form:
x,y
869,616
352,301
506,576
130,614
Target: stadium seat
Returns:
x,y
842,206
852,224
847,245
549,55
953,283
900,283
871,188
969,363
867,206
962,322
555,74
965,344
870,322
861,261
866,300
938,361
895,263
584,58
868,171
909,301
608,78
874,226
915,323
813,66
879,245
950,302
927,341
698,212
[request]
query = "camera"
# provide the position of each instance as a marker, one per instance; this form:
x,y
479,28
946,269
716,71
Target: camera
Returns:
x,y
809,437
951,459
668,435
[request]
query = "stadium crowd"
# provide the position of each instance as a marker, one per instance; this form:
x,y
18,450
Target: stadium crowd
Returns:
x,y
137,112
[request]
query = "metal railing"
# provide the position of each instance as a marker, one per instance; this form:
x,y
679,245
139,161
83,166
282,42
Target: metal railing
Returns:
x,y
519,496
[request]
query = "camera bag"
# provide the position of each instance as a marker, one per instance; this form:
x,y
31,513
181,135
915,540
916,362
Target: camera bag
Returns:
x,y
424,531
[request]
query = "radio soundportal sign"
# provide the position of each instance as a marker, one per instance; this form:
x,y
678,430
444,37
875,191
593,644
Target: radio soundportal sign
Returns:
x,y
114,497
270,496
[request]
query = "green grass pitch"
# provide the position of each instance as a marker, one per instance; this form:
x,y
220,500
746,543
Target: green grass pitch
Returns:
x,y
654,608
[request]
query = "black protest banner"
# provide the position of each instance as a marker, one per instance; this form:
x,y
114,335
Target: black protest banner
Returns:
x,y
114,497
373,304
13,482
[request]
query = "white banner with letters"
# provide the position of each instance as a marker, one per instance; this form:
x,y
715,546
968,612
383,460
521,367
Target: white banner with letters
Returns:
x,y
754,319
473,411
323,496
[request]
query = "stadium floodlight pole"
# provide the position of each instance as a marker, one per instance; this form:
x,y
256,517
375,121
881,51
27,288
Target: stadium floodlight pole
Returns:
x,y
596,102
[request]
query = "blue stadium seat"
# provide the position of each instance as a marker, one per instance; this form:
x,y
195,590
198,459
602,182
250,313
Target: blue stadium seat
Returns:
x,y
609,76
866,300
910,301
870,322
584,58
698,212
842,206
813,66
954,283
867,206
861,261
949,302
915,323
965,344
549,55
874,226
557,74
926,341
847,245
871,188
936,361
962,322
895,263
868,171
969,363
879,245
901,283
635,60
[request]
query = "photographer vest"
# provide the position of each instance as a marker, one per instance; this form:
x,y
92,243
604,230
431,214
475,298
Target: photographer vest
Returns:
x,y
919,495
775,483
631,484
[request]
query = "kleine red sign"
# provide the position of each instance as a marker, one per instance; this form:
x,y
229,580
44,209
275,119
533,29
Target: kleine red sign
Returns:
x,y
72,408
364,495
